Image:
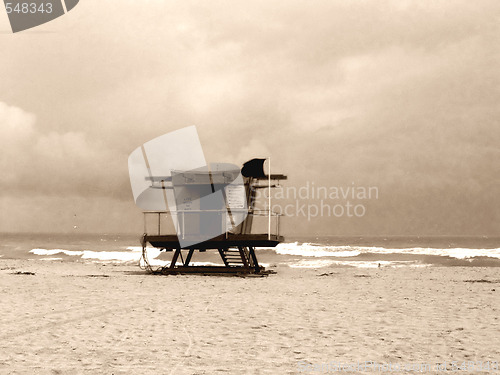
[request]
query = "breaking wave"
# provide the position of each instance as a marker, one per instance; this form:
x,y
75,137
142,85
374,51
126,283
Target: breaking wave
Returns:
x,y
317,250
302,255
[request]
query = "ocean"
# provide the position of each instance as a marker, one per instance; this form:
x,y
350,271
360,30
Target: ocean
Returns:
x,y
298,252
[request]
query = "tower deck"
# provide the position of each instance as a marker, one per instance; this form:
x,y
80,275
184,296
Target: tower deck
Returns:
x,y
171,242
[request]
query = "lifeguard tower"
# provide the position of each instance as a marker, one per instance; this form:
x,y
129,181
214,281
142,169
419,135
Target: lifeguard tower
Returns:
x,y
216,208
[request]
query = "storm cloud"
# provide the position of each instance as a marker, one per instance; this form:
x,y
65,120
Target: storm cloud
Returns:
x,y
402,95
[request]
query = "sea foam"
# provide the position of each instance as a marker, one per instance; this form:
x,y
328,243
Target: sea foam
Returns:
x,y
317,250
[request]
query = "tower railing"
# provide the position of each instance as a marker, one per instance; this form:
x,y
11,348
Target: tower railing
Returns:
x,y
163,228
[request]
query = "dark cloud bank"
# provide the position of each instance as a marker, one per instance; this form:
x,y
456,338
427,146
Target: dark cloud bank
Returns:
x,y
394,94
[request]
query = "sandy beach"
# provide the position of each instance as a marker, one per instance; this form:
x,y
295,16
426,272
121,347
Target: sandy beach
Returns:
x,y
350,146
104,319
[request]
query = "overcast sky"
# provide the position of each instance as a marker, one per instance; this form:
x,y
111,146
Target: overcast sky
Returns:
x,y
401,95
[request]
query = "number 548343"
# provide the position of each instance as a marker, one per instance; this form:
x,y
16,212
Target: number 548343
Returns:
x,y
26,8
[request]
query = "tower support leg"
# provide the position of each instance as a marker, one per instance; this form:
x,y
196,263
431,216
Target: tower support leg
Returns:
x,y
174,258
254,258
189,256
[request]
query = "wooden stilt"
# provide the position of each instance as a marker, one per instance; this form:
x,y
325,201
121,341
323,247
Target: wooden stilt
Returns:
x,y
174,258
188,258
254,258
